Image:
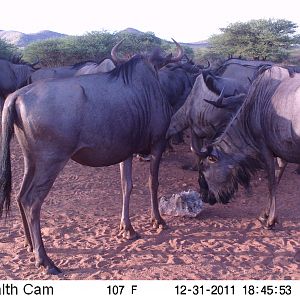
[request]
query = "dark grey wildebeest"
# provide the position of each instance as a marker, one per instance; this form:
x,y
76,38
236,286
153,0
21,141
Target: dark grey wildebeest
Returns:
x,y
203,118
13,76
245,71
266,126
105,65
58,72
82,68
96,120
229,86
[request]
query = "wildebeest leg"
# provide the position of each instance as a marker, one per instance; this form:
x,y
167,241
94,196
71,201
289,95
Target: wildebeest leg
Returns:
x,y
126,228
38,179
26,181
282,165
156,153
27,241
268,216
1,106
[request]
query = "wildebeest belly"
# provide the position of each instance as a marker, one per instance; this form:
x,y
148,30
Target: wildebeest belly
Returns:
x,y
98,158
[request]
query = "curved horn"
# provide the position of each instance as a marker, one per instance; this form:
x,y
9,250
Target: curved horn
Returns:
x,y
208,67
180,52
37,61
114,54
219,102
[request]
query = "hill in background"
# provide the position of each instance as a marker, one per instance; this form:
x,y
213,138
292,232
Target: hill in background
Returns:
x,y
21,39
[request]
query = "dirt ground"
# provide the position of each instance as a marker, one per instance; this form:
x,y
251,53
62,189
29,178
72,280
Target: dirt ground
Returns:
x,y
80,220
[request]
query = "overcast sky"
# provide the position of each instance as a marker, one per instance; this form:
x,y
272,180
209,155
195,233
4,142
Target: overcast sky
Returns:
x,y
186,21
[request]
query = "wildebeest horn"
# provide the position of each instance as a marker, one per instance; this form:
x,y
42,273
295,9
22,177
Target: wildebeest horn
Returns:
x,y
114,54
219,102
37,61
208,66
179,54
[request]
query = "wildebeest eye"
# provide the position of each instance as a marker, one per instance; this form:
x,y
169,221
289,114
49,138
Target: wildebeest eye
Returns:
x,y
212,159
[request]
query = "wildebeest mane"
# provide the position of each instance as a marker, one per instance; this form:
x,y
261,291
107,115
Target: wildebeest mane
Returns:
x,y
125,70
261,91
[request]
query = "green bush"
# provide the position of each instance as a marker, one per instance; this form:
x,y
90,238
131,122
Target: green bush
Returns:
x,y
92,46
8,51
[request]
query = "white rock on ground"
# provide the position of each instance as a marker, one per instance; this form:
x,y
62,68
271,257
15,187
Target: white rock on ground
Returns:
x,y
182,204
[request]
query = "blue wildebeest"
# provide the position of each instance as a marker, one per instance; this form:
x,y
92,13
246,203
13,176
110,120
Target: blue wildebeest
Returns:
x,y
230,86
266,126
177,80
87,67
203,118
244,71
13,76
104,65
109,117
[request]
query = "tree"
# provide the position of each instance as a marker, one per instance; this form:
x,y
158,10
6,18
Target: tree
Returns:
x,y
8,50
94,46
256,39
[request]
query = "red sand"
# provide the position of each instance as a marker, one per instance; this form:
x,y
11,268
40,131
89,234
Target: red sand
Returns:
x,y
80,220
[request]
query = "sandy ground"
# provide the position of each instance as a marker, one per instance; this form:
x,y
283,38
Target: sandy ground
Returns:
x,y
80,220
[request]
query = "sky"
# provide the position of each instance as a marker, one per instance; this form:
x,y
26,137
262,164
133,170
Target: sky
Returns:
x,y
185,20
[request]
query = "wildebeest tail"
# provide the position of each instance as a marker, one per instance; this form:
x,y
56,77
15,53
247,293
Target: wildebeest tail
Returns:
x,y
8,118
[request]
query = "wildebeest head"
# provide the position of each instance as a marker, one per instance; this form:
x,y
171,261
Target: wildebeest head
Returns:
x,y
217,178
155,58
14,75
220,173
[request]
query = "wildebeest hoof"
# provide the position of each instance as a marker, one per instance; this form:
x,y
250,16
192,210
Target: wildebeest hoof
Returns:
x,y
262,218
53,270
271,224
28,246
159,224
128,233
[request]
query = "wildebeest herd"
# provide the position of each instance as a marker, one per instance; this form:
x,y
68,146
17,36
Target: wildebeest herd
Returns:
x,y
242,116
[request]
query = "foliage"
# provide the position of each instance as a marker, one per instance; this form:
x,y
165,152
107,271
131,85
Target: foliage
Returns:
x,y
8,50
92,46
256,39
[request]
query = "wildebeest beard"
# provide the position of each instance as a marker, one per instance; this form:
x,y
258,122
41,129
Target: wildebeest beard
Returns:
x,y
240,175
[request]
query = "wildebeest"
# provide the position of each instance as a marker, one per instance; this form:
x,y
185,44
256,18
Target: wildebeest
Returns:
x,y
266,126
229,86
104,65
57,72
201,116
177,80
13,76
86,67
96,120
245,71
